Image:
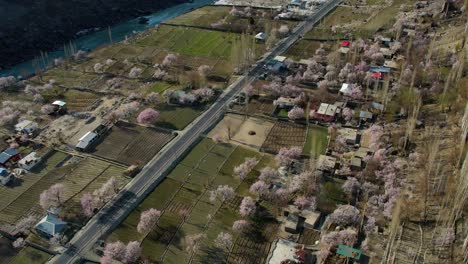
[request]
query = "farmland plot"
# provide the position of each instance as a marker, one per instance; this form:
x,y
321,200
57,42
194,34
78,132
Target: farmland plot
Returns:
x,y
79,101
284,134
132,144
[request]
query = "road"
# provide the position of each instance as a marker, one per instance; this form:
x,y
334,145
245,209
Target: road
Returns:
x,y
113,213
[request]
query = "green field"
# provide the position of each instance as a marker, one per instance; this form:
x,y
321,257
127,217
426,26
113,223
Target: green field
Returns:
x,y
316,142
186,187
204,16
29,255
177,117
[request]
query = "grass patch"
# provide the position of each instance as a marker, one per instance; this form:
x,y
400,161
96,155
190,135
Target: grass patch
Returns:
x,y
316,141
177,117
29,255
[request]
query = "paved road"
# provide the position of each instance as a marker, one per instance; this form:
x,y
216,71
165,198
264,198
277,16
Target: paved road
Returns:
x,y
154,172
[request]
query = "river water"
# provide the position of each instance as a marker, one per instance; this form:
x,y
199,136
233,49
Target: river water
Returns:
x,y
119,32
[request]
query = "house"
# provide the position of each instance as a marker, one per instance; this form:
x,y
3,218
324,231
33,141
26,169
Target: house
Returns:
x,y
50,225
350,135
261,37
276,64
365,116
9,156
362,152
86,141
5,176
60,107
345,44
391,64
326,163
291,225
311,218
281,59
326,112
297,4
343,50
388,53
346,89
284,102
26,127
283,250
29,161
377,106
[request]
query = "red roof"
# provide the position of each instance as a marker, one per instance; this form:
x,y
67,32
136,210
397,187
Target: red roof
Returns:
x,y
345,44
377,75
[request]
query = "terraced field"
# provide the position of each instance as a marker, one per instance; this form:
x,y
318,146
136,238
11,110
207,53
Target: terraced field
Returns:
x,y
75,177
284,134
187,187
132,144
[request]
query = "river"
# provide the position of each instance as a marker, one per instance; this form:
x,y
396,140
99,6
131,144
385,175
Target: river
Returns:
x,y
119,32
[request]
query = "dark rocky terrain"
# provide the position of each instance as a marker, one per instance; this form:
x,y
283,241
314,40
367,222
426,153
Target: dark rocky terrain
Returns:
x,y
29,26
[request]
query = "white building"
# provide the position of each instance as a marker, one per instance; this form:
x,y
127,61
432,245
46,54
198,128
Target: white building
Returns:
x,y
29,161
86,141
26,126
261,37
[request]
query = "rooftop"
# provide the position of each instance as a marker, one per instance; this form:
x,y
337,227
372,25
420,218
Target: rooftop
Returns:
x,y
51,225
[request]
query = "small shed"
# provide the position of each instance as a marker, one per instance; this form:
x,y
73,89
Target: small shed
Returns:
x,y
356,164
346,89
30,161
86,141
345,44
261,37
291,224
9,156
349,252
343,50
26,126
304,62
5,176
280,58
50,225
391,64
311,218
365,115
351,135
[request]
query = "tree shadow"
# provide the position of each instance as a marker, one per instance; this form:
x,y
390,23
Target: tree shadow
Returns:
x,y
15,182
213,255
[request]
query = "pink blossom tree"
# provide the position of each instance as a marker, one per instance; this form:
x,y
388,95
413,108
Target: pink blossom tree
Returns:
x,y
283,30
333,239
224,241
54,196
248,90
115,250
345,215
193,242
303,202
204,95
259,188
152,98
132,252
6,82
47,109
247,207
223,193
351,187
19,243
240,226
348,113
148,220
286,156
245,168
370,225
356,92
25,224
135,72
87,204
296,113
169,60
148,116
268,174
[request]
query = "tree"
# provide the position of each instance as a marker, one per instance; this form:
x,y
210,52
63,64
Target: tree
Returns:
x,y
148,219
47,109
247,207
351,187
348,113
303,202
223,193
135,72
25,224
245,168
248,90
333,239
370,225
152,98
105,192
169,60
268,174
204,70
98,67
240,226
6,82
87,204
115,250
52,196
259,188
148,116
345,215
19,243
286,156
193,242
132,252
204,95
283,30
224,241
296,113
